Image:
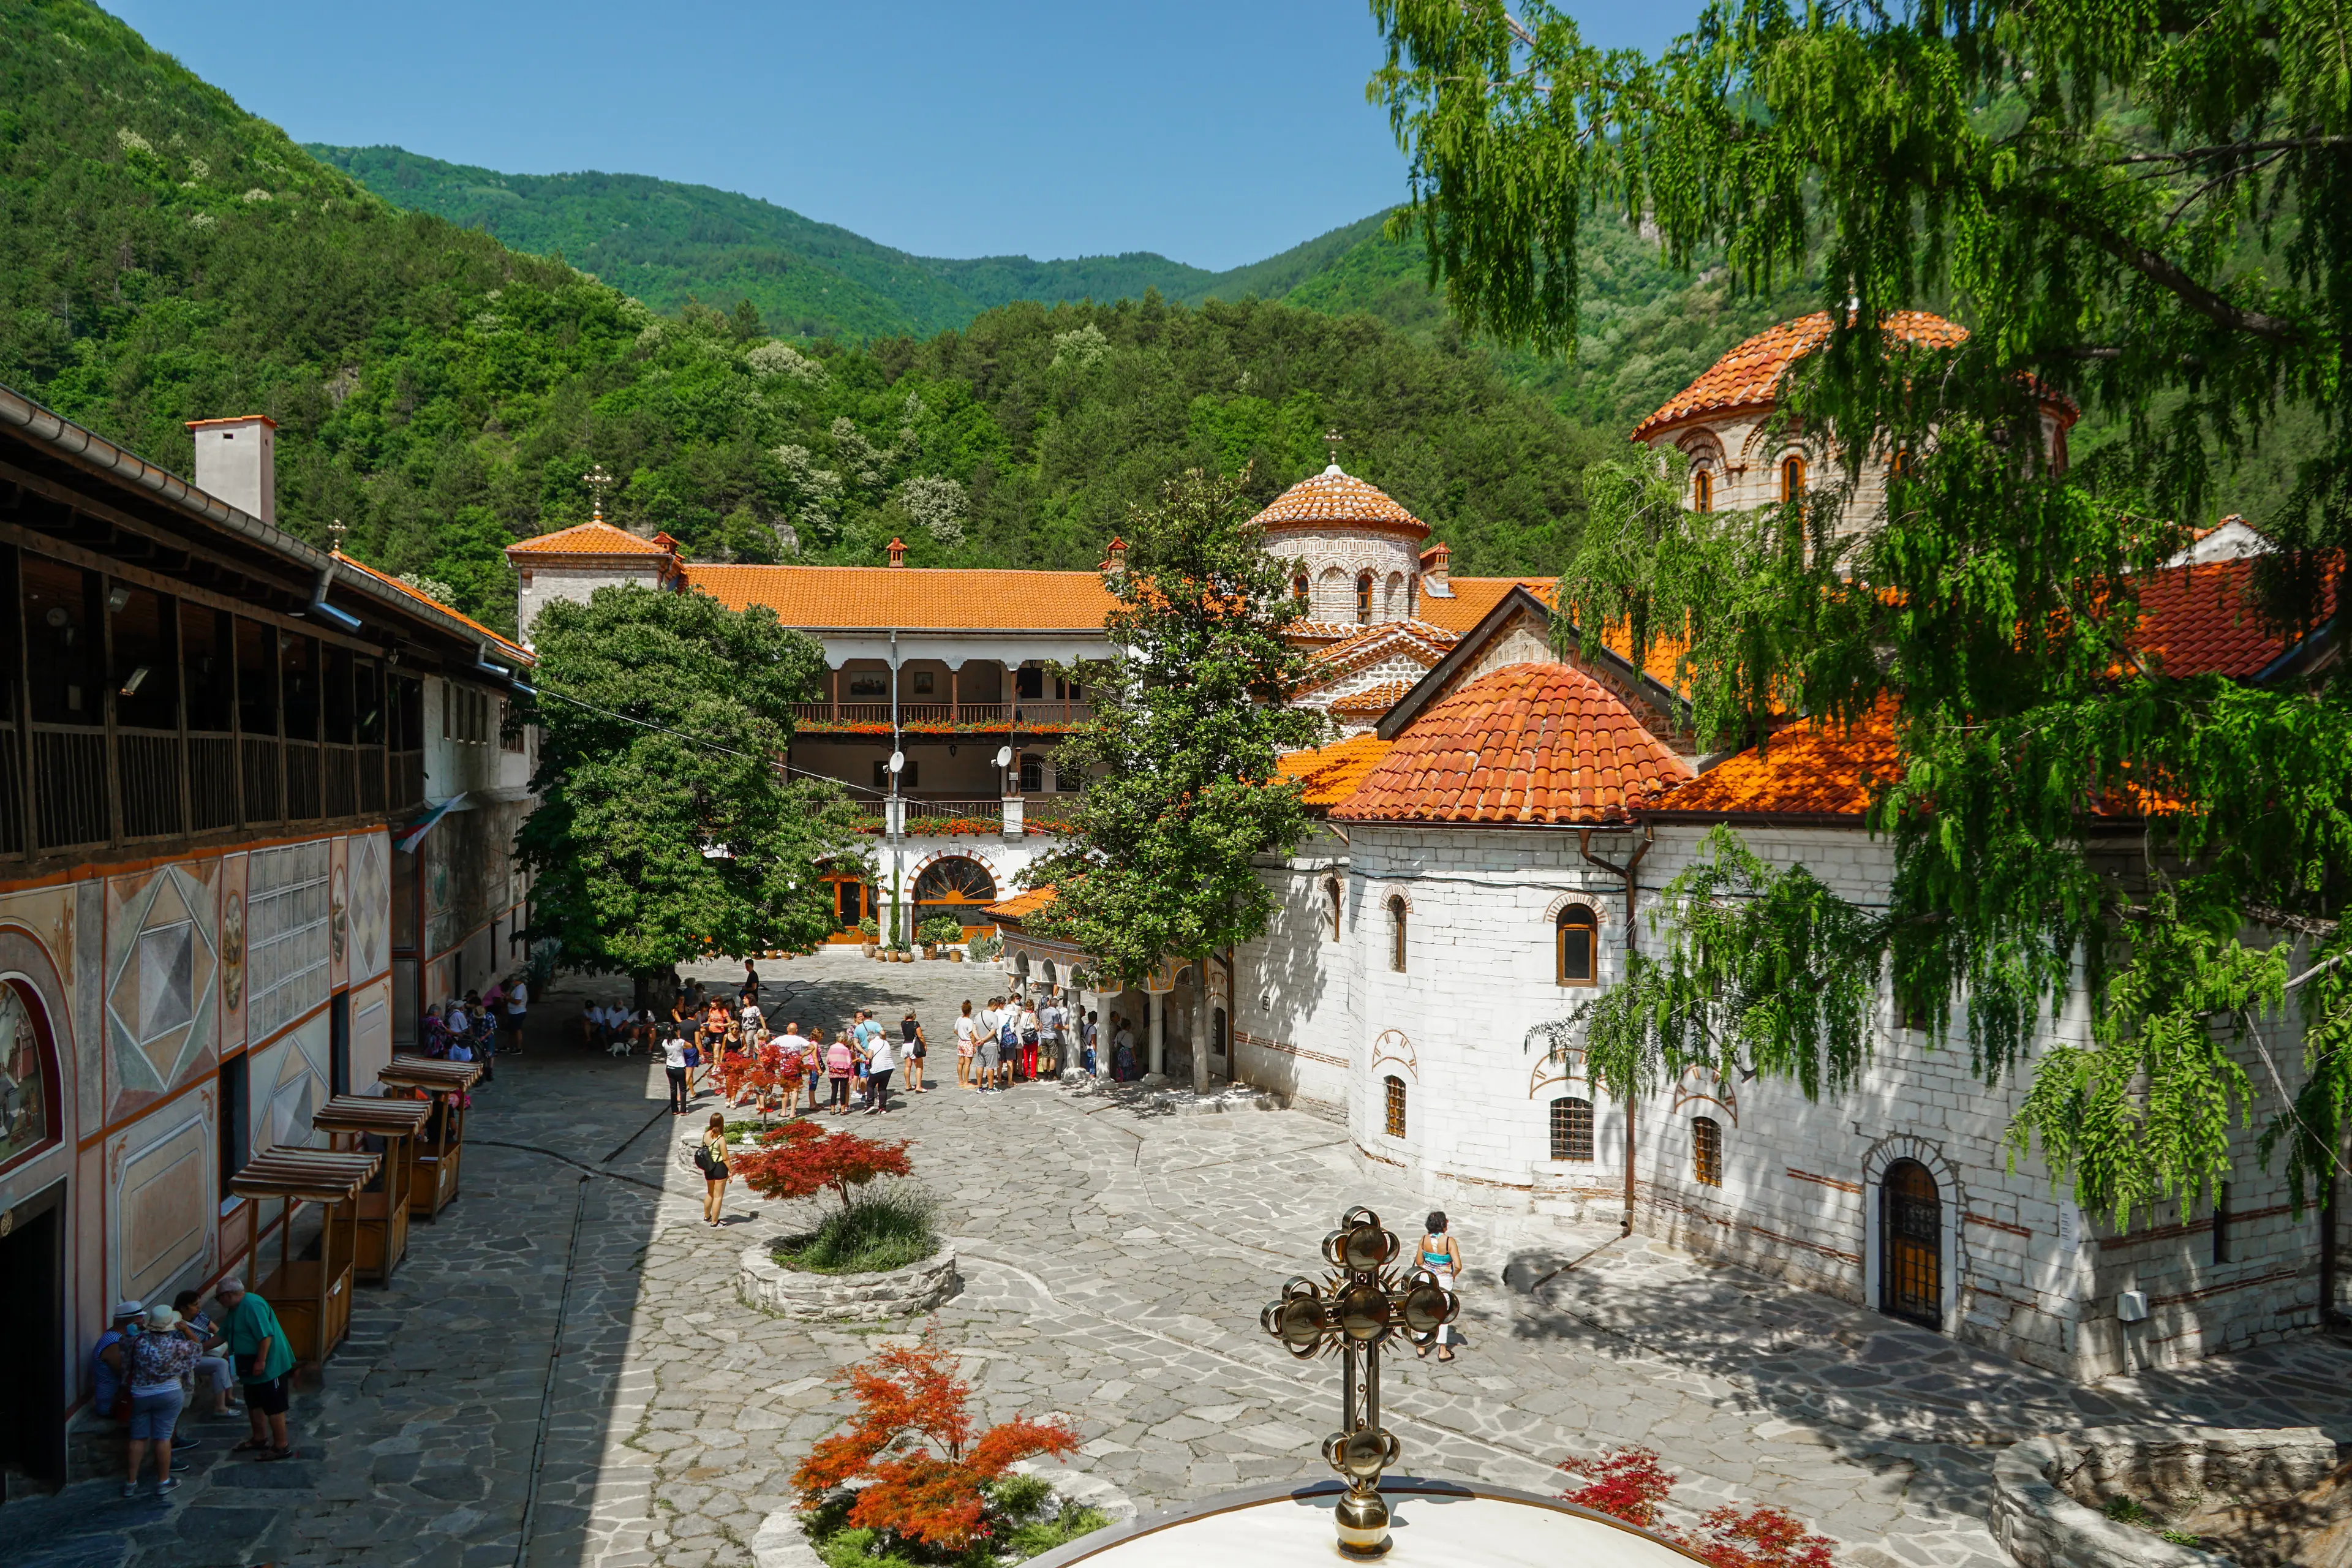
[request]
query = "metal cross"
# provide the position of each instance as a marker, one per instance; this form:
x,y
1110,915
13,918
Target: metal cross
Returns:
x,y
596,480
335,530
1355,1310
1331,438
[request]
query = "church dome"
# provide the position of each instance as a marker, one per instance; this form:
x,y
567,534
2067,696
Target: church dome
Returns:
x,y
1749,375
1333,499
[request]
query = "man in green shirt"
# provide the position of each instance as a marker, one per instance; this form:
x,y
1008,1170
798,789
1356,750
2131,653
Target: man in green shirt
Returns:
x,y
264,1360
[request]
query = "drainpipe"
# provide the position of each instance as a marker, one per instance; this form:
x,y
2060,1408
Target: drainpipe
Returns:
x,y
1628,871
319,609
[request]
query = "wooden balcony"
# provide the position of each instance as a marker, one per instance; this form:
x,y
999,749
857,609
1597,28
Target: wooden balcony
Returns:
x,y
942,818
1028,714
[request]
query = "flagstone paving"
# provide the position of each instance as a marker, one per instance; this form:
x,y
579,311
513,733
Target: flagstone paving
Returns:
x,y
563,1373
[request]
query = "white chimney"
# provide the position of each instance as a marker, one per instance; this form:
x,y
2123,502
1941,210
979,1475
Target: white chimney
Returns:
x,y
236,462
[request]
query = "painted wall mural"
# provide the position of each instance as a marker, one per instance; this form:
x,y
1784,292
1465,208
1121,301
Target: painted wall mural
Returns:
x,y
160,998
287,921
287,1081
339,914
28,1104
231,952
371,905
163,1216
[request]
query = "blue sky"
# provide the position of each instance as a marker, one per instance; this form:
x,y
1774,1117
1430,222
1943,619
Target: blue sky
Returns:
x,y
1215,132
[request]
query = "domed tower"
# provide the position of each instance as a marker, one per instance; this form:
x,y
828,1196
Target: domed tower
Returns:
x,y
1360,550
1723,422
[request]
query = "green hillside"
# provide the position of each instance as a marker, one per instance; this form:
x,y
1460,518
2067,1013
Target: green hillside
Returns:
x,y
164,255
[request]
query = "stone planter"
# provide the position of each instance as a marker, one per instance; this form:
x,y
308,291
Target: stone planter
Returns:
x,y
2044,1488
906,1292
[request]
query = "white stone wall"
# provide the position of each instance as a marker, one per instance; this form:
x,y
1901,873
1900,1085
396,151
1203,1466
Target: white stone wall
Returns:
x,y
1293,1023
2022,1272
1336,555
537,587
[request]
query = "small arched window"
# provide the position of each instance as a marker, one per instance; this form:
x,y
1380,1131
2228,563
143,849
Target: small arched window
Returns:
x,y
1792,478
1332,904
1392,1107
1707,1151
1575,939
1572,1130
1298,587
1396,934
1364,597
1702,490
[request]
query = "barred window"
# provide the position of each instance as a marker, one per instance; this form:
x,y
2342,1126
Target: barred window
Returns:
x,y
1572,1130
1707,1151
1395,1106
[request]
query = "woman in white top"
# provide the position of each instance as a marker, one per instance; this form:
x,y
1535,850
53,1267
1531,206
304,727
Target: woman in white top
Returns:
x,y
967,1033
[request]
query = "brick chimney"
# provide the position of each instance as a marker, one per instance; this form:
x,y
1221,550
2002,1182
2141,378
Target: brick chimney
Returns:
x,y
236,462
1432,572
1117,559
898,552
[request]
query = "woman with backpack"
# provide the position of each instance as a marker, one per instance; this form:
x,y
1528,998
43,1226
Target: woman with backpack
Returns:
x,y
1029,1028
710,1159
912,1049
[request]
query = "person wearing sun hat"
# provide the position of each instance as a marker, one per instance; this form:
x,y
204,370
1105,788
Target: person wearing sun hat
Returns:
x,y
264,1360
162,1354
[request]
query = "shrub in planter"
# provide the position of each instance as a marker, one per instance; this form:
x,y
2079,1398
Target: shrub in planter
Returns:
x,y
876,1231
934,1487
984,948
941,930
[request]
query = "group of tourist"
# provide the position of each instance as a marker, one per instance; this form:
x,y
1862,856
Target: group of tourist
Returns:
x,y
478,1026
1016,1039
151,1360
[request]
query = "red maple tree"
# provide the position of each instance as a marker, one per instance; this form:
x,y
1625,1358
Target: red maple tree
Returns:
x,y
1629,1484
914,1444
768,1071
799,1160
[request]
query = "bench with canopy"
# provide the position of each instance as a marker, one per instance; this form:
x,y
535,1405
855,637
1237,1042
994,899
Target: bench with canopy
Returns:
x,y
435,1153
397,1124
311,1296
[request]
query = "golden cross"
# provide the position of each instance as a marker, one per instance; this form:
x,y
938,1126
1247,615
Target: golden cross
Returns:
x,y
596,480
1331,438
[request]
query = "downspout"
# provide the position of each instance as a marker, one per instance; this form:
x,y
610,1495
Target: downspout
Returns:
x,y
1629,872
318,608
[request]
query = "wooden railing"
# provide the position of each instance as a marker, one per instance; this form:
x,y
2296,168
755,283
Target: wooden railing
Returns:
x,y
212,782
372,779
147,770
341,788
407,780
264,779
302,792
70,784
12,791
1027,712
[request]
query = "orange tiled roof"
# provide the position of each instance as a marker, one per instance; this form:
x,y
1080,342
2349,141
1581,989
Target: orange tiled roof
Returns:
x,y
1750,374
877,598
1812,768
514,649
1535,743
1473,596
587,539
2200,620
1332,773
1020,904
1334,497
1372,700
1425,645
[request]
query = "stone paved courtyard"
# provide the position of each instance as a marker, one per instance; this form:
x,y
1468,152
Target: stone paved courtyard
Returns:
x,y
562,1373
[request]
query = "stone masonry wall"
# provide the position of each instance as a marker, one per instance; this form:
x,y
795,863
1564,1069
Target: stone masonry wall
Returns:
x,y
541,585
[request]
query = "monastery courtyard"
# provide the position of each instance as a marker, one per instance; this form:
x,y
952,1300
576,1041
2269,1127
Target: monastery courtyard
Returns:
x,y
562,1373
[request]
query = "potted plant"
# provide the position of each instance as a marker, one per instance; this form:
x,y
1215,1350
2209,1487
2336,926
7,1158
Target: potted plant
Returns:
x,y
871,930
939,933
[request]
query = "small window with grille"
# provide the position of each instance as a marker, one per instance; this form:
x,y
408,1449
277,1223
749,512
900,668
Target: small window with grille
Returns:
x,y
1394,1107
1572,1130
1707,1151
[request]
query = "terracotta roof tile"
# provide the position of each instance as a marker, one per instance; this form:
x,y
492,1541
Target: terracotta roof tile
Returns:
x,y
1473,596
1333,772
1812,768
1750,374
1535,743
1372,700
2195,619
515,649
1021,904
1334,497
587,539
876,598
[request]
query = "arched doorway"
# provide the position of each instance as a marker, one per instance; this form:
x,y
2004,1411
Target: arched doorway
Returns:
x,y
955,887
1911,1245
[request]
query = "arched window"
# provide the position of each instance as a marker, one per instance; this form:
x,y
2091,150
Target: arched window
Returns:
x,y
1572,1130
1575,938
1702,490
1364,597
1707,1151
1332,904
1396,934
1911,1245
1394,1108
1792,478
956,887
1298,587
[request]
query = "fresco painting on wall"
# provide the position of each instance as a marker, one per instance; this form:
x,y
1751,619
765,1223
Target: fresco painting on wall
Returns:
x,y
232,951
27,1098
371,1030
289,1081
370,910
339,914
160,993
166,1189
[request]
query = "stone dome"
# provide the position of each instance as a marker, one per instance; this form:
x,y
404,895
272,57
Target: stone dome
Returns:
x,y
1334,499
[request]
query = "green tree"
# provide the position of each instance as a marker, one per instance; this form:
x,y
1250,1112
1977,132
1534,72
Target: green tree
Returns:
x,y
2141,208
1180,794
665,826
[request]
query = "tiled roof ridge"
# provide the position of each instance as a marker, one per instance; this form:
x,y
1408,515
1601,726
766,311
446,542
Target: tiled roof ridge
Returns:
x,y
576,539
1334,496
1527,745
505,643
1750,374
1377,697
691,567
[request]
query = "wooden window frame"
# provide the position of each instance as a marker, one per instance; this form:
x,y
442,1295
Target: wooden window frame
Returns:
x,y
1331,894
1397,933
1567,1135
1706,1151
1392,1106
1792,478
1702,492
1589,931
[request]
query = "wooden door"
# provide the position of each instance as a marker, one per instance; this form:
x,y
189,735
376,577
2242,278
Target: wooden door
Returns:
x,y
1911,1245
